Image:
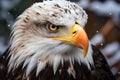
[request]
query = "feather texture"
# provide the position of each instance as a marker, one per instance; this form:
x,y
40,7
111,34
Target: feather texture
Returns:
x,y
33,55
100,71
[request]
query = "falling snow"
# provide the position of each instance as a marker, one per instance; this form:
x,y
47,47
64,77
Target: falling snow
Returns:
x,y
108,8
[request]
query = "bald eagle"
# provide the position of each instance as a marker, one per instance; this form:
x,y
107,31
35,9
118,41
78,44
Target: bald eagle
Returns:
x,y
48,42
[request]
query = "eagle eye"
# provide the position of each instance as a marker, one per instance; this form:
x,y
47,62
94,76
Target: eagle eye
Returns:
x,y
53,28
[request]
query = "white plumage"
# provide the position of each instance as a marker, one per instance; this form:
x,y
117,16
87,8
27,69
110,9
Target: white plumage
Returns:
x,y
31,43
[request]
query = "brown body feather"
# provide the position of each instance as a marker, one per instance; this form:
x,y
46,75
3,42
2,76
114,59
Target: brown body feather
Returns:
x,y
100,71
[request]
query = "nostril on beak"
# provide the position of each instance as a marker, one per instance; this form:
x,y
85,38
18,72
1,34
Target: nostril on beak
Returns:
x,y
74,32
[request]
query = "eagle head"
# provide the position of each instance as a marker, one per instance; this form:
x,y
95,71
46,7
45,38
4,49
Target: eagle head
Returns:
x,y
50,32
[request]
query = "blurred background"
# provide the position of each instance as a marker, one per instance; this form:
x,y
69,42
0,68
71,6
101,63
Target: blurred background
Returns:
x,y
103,27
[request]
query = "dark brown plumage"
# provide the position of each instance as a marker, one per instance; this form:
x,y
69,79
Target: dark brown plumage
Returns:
x,y
101,71
49,43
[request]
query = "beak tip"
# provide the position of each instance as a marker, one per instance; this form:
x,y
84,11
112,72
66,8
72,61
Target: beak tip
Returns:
x,y
85,54
81,40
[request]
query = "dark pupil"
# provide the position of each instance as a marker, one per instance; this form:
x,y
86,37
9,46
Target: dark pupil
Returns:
x,y
54,26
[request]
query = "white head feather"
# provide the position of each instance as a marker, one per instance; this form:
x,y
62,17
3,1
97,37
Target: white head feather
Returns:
x,y
33,47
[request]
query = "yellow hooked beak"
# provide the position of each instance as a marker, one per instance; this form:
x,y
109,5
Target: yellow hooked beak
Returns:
x,y
77,37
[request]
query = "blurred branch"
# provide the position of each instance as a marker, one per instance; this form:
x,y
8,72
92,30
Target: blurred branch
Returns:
x,y
107,28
